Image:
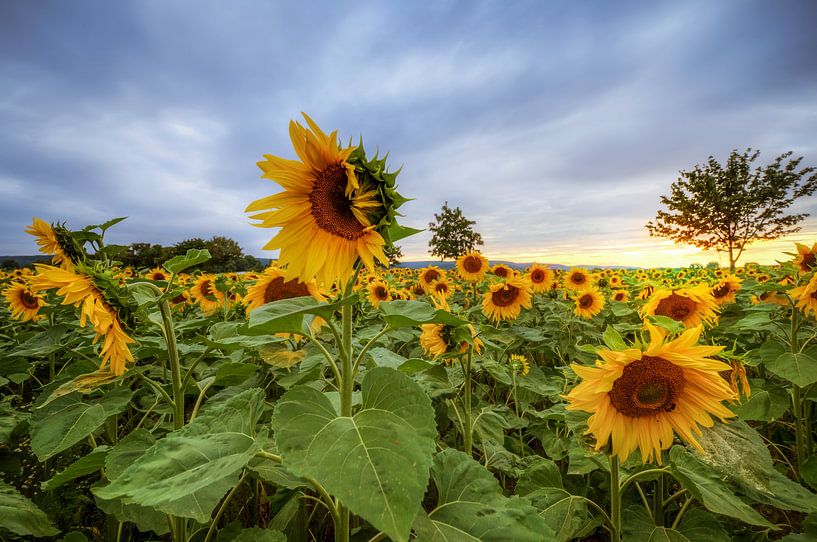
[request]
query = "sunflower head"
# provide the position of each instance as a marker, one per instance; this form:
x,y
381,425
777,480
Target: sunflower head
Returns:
x,y
620,295
270,286
502,271
588,303
806,296
379,291
519,364
540,278
438,340
157,273
337,206
57,241
430,274
690,306
505,300
23,303
641,396
578,279
472,266
724,291
806,258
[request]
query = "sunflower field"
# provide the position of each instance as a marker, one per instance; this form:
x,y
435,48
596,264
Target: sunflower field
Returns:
x,y
330,397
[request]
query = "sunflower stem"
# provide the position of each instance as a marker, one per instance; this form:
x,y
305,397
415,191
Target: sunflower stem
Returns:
x,y
468,432
800,435
615,500
658,513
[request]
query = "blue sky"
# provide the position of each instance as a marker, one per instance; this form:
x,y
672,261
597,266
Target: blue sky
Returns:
x,y
555,125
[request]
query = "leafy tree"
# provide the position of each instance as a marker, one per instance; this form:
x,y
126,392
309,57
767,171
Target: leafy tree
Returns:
x,y
453,234
726,208
8,264
226,254
195,242
393,253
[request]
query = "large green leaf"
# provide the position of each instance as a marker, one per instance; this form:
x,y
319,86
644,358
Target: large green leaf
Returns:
x,y
376,461
799,369
739,455
21,516
186,473
471,506
287,315
696,526
63,423
402,313
767,403
194,256
93,462
706,485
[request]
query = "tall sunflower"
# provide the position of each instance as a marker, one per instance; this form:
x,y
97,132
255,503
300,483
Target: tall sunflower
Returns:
x,y
578,279
505,300
56,242
272,286
690,306
378,292
724,291
502,271
806,296
204,291
588,303
640,395
336,207
78,289
472,266
430,274
437,339
540,278
23,304
157,273
806,258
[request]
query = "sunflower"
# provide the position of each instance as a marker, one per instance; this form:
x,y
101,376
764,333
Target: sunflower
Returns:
x,y
519,364
646,292
272,286
204,291
23,304
769,297
54,242
472,266
157,273
502,271
336,207
724,291
690,306
79,290
638,396
806,258
588,303
614,281
577,279
441,288
435,339
378,292
540,278
429,275
620,296
806,296
505,300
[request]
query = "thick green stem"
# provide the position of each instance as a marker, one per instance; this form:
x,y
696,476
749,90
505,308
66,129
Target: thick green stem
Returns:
x,y
615,501
347,386
212,530
796,398
658,501
468,431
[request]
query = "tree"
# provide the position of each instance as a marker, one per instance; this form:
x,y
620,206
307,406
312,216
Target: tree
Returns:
x,y
727,208
453,234
226,255
394,254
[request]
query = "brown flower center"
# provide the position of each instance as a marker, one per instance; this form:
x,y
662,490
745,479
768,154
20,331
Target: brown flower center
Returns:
x,y
501,272
207,290
677,307
537,276
29,301
441,288
472,264
431,275
506,296
277,289
809,259
585,301
418,289
647,386
619,296
578,278
331,208
158,276
722,290
381,293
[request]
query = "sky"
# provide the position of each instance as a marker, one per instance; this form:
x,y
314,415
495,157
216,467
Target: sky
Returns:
x,y
555,125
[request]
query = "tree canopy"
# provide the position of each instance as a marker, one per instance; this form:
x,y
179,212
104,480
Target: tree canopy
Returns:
x,y
226,255
728,207
453,234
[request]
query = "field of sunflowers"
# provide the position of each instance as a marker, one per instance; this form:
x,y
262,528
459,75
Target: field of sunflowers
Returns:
x,y
332,398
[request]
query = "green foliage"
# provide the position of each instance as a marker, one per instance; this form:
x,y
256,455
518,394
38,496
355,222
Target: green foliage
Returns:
x,y
728,207
453,234
20,516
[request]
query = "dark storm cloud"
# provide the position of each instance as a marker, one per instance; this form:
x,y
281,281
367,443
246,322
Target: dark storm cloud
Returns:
x,y
548,123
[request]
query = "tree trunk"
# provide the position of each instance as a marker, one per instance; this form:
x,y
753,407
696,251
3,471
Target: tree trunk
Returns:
x,y
731,259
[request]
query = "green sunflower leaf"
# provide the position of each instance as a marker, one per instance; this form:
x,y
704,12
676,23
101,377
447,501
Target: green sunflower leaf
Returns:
x,y
403,313
21,516
194,256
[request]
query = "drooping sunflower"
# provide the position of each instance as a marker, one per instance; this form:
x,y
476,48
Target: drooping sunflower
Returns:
x,y
441,288
157,273
639,396
23,304
272,286
519,364
430,274
806,258
540,278
578,279
724,291
502,271
588,303
336,206
690,306
806,296
472,266
505,300
79,289
206,294
436,340
378,292
54,241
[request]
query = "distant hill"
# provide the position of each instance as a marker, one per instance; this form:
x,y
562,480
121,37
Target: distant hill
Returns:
x,y
26,260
